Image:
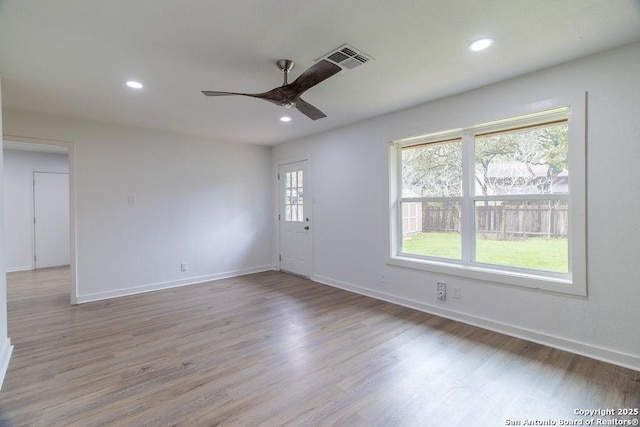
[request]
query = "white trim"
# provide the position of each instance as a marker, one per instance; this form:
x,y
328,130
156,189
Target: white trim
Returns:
x,y
172,284
71,153
16,269
530,119
625,360
288,160
503,275
5,357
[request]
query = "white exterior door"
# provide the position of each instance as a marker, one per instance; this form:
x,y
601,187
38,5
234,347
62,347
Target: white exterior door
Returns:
x,y
51,219
295,218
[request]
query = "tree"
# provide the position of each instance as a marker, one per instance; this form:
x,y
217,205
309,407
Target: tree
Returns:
x,y
528,161
516,162
486,150
433,170
554,145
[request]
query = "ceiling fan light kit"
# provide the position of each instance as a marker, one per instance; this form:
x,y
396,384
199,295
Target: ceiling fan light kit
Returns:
x,y
289,94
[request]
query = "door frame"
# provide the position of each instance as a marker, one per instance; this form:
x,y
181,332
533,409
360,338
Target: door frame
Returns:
x,y
308,189
71,154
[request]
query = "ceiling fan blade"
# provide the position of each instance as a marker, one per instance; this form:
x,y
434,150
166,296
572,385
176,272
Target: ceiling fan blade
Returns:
x,y
274,95
317,73
309,110
214,93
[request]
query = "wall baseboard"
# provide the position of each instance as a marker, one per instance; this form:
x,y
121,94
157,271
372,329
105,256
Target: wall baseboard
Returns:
x,y
594,352
172,284
5,356
15,269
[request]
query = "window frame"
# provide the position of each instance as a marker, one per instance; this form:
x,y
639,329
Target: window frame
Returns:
x,y
575,281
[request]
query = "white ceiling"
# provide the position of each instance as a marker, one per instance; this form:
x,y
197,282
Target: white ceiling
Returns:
x,y
72,57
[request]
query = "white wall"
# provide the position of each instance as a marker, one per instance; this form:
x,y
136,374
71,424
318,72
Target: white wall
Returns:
x,y
5,343
146,201
19,167
350,174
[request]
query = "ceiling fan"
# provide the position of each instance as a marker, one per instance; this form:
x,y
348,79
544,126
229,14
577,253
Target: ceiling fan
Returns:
x,y
288,95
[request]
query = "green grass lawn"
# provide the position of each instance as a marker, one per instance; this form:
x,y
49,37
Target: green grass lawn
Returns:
x,y
539,253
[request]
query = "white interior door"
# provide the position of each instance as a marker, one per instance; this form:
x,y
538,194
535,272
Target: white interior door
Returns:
x,y
51,219
295,218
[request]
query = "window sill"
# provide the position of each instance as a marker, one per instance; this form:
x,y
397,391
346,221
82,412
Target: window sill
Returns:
x,y
564,284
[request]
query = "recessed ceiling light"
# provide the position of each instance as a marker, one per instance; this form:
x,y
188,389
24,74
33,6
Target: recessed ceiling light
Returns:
x,y
285,119
134,85
480,44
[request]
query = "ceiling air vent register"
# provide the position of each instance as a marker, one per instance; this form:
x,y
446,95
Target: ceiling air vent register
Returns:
x,y
347,57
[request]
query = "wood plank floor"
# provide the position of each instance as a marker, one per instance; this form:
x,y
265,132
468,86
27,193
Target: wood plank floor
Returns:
x,y
273,349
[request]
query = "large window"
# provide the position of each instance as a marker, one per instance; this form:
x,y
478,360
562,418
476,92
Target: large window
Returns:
x,y
503,202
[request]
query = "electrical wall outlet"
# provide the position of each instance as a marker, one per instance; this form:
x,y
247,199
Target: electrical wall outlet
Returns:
x,y
442,291
456,292
184,266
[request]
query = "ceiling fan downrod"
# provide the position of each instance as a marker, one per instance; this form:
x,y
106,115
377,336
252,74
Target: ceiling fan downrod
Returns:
x,y
285,65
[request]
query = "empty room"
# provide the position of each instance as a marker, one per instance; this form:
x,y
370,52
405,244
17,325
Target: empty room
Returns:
x,y
354,213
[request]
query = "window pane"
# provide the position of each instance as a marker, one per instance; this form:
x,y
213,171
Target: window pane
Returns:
x,y
527,161
524,233
434,231
293,196
432,170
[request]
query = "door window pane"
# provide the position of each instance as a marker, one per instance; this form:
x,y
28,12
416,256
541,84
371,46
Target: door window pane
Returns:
x,y
293,196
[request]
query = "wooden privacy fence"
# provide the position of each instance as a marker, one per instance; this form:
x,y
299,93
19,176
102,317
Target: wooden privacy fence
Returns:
x,y
440,218
505,221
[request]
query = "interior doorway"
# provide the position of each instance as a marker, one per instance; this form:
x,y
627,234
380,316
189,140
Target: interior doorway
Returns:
x,y
39,206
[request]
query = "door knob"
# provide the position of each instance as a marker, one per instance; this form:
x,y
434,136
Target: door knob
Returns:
x,y
307,227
